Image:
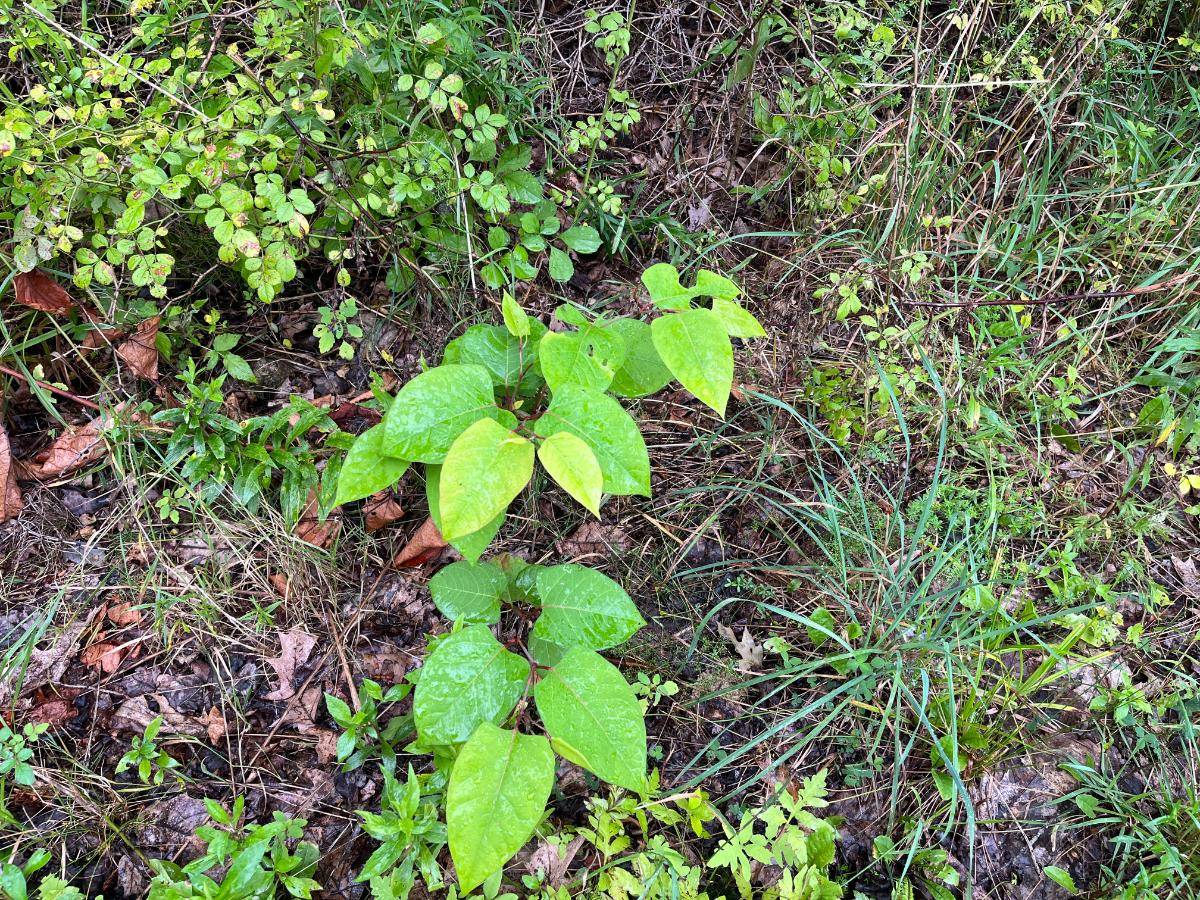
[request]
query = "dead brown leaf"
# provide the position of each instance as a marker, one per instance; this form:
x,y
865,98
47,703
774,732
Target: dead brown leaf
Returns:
x,y
53,712
311,529
76,447
381,510
103,655
140,352
10,494
749,651
424,546
45,666
553,862
1189,577
295,648
326,746
123,614
214,723
135,714
38,290
595,539
281,585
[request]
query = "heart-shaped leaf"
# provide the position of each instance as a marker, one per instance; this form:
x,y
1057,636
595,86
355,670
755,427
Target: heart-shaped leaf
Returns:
x,y
434,408
486,467
695,347
469,592
584,608
594,718
574,466
469,678
472,545
600,422
497,792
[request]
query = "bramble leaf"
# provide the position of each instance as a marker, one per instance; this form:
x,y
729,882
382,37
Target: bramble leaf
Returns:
x,y
608,429
574,466
582,607
695,347
434,408
486,467
468,679
498,790
594,718
367,468
469,592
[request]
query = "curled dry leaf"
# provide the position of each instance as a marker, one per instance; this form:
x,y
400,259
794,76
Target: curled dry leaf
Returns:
x,y
381,510
140,351
280,584
214,723
103,655
123,614
748,649
311,529
38,290
10,494
53,712
424,546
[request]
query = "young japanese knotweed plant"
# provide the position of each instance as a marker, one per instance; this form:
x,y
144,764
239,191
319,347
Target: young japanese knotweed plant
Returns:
x,y
505,396
475,698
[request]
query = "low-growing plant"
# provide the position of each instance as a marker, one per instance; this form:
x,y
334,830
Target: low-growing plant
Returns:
x,y
152,764
504,396
14,884
474,701
251,862
411,835
15,754
363,734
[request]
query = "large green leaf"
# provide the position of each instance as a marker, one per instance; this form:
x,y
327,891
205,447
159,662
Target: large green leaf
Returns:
x,y
738,321
509,359
472,545
574,466
594,718
604,426
710,284
469,592
487,467
666,291
587,358
515,319
469,678
695,347
584,608
435,408
367,468
497,793
642,373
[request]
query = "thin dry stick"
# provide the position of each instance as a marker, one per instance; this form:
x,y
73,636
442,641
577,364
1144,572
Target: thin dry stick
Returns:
x,y
51,388
1061,298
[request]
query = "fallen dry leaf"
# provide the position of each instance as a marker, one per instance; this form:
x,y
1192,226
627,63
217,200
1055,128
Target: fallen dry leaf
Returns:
x,y
38,290
281,585
10,494
45,666
749,651
553,862
295,648
76,447
424,546
53,712
135,714
381,510
140,352
354,418
311,529
214,723
123,614
1189,577
595,539
107,655
326,746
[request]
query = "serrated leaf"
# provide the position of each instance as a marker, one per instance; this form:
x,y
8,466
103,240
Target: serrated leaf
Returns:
x,y
469,592
472,545
586,359
666,292
574,466
608,429
485,468
468,679
582,239
584,608
515,318
642,373
366,468
497,792
695,347
738,321
561,268
434,408
595,718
